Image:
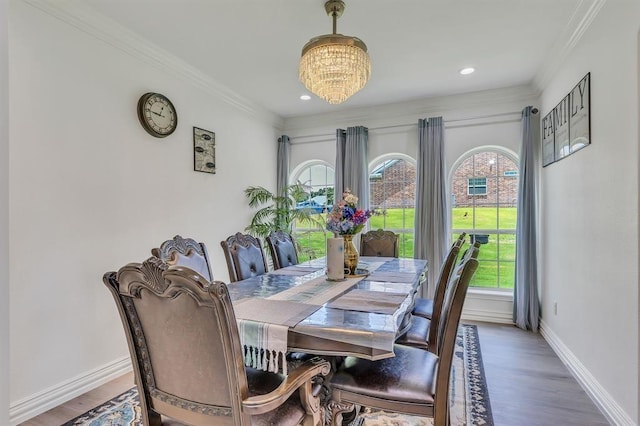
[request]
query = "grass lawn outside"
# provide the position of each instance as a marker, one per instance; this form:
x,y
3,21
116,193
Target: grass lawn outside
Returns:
x,y
497,257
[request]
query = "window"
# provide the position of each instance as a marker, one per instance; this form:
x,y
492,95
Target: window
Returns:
x,y
484,188
392,185
477,186
318,179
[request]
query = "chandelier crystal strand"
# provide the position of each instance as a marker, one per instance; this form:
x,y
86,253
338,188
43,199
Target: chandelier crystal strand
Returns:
x,y
334,66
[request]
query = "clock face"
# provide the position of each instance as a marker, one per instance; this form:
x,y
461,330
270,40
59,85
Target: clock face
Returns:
x,y
157,114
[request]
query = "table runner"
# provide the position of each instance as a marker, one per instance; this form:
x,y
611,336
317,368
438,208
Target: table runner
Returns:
x,y
263,323
296,270
263,326
393,277
319,291
369,301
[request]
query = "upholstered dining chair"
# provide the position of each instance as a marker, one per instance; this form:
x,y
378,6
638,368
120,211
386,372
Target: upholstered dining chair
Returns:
x,y
379,243
423,333
282,249
245,257
187,358
185,252
415,381
424,307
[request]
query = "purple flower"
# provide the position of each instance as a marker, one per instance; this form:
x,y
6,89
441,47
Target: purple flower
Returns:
x,y
346,217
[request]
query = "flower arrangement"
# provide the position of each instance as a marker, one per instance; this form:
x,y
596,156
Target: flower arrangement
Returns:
x,y
346,218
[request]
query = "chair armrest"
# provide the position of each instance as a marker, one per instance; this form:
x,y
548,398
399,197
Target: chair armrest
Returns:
x,y
298,378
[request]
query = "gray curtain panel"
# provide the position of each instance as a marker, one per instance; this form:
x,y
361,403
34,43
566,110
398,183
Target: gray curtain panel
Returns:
x,y
526,305
284,149
351,163
432,237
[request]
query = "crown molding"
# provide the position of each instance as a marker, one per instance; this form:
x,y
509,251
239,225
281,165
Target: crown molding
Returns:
x,y
452,107
106,30
585,13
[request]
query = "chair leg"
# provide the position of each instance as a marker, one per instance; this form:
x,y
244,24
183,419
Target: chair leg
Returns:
x,y
333,415
154,419
311,404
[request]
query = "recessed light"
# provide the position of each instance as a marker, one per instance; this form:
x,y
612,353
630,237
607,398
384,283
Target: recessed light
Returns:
x,y
467,71
305,97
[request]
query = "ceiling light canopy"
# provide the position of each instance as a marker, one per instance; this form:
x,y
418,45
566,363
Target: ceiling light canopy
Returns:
x,y
334,66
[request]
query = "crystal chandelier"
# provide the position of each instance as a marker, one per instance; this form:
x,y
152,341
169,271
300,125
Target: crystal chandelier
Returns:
x,y
334,66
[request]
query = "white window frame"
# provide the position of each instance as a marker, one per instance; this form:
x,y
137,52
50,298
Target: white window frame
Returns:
x,y
294,177
463,157
373,164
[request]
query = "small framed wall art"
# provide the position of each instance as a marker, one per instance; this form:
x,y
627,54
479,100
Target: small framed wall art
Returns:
x,y
204,151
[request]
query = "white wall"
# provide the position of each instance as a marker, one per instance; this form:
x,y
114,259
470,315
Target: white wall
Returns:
x,y
589,246
90,190
471,120
4,215
490,118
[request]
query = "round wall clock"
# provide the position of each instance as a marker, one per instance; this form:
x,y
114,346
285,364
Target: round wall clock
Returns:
x,y
157,114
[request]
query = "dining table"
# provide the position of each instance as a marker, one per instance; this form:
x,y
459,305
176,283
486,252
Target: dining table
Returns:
x,y
297,309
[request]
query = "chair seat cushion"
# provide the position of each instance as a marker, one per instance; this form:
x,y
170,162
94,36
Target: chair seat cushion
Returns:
x,y
417,335
290,413
408,377
423,308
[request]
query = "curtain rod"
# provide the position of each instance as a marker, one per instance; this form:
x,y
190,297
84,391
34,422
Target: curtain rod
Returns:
x,y
393,126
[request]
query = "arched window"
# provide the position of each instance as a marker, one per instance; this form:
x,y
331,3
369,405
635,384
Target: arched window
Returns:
x,y
392,183
484,197
318,179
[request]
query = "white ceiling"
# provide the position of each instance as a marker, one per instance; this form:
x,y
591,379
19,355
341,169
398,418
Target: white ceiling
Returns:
x,y
417,47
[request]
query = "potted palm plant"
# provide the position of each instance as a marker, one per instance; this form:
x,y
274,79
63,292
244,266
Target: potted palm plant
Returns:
x,y
278,212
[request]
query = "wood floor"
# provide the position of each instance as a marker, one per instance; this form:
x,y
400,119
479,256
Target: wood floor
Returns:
x,y
528,385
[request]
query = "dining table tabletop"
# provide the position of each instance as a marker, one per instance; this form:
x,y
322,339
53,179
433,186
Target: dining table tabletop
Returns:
x,y
359,316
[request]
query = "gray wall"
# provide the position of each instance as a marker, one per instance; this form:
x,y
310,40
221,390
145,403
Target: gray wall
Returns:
x,y
589,245
4,215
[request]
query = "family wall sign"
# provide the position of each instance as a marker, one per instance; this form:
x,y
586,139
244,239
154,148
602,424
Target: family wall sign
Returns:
x,y
567,128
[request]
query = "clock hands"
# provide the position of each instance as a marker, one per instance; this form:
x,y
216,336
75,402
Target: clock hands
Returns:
x,y
159,114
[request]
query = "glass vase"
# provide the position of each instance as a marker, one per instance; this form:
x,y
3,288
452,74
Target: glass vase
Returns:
x,y
351,255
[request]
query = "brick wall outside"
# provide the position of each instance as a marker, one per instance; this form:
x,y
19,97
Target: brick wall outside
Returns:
x,y
397,185
396,188
489,165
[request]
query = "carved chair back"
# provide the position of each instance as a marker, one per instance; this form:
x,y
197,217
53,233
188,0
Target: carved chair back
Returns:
x,y
447,331
185,252
283,249
415,381
164,311
448,272
245,257
187,354
440,291
379,243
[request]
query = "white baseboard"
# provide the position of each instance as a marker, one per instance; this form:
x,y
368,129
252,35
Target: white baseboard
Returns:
x,y
603,400
488,306
487,316
26,408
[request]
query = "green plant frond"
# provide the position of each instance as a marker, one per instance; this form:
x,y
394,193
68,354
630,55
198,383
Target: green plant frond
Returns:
x,y
278,213
308,216
259,230
264,215
258,195
297,192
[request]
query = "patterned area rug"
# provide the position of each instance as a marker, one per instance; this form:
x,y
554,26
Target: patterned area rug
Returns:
x,y
469,396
